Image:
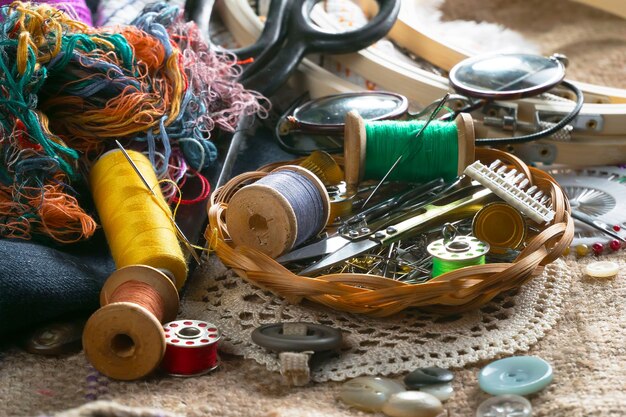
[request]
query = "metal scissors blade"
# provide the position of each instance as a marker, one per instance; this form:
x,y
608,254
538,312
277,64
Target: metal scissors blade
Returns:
x,y
460,199
323,247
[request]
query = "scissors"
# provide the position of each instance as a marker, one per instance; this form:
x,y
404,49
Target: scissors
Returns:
x,y
468,199
289,34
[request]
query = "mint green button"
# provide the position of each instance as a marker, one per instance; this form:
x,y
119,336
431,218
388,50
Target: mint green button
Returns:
x,y
520,375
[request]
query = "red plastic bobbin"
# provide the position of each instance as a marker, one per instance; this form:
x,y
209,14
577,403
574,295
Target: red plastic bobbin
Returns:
x,y
191,347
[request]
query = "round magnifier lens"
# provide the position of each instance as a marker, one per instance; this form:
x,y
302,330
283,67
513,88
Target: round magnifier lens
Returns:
x,y
328,113
506,76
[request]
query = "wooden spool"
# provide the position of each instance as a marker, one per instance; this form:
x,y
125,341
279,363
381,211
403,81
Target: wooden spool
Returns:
x,y
261,218
124,340
355,146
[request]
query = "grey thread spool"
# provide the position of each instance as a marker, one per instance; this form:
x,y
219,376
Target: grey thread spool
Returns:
x,y
279,211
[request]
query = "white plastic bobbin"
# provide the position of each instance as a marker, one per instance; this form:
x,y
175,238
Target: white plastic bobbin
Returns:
x,y
602,269
191,347
461,248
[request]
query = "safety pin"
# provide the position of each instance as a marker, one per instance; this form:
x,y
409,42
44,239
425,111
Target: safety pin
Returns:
x,y
145,182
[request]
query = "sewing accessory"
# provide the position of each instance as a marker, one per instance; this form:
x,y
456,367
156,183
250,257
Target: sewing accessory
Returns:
x,y
327,114
510,186
340,202
296,343
393,166
145,182
442,392
371,148
602,269
462,202
368,393
427,376
455,253
124,339
289,34
371,220
134,215
597,196
501,226
412,404
56,338
279,211
520,375
191,347
508,405
422,87
324,166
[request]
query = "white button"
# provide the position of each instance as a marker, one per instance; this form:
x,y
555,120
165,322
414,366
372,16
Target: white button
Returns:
x,y
602,269
505,406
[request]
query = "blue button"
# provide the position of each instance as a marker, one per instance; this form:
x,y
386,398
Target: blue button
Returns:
x,y
520,375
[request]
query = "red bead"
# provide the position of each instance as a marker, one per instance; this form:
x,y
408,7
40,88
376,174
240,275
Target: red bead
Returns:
x,y
597,248
617,228
615,245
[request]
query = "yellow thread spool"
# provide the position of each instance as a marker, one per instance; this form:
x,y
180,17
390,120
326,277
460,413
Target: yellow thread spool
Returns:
x,y
137,225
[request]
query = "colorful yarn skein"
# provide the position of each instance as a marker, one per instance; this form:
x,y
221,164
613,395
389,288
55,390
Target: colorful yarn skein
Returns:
x,y
68,91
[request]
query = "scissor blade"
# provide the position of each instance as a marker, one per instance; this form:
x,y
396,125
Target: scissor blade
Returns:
x,y
346,252
323,247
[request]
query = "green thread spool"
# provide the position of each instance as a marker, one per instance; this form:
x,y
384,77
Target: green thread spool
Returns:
x,y
460,252
444,149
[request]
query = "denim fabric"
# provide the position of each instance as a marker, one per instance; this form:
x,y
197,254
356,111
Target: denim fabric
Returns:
x,y
39,283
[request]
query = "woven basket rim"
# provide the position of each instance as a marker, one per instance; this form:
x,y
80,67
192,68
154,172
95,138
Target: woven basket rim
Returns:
x,y
464,289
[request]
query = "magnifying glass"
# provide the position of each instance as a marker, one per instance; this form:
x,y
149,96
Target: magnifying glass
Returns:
x,y
318,124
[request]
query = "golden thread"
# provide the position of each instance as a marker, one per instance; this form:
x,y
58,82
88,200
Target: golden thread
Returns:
x,y
138,225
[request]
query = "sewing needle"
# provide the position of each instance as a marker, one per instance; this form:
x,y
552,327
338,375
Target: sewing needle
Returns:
x,y
432,116
145,182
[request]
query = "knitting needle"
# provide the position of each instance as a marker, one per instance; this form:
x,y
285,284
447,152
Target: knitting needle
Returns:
x,y
145,182
432,116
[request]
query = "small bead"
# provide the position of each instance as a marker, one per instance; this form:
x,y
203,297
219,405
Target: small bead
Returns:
x,y
617,228
597,248
582,249
615,245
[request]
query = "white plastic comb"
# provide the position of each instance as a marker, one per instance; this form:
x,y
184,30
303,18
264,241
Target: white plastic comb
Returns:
x,y
510,187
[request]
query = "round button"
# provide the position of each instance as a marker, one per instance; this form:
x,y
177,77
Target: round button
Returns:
x,y
521,375
318,338
505,406
427,376
602,269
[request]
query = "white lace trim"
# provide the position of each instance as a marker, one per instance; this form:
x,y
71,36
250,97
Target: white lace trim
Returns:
x,y
513,322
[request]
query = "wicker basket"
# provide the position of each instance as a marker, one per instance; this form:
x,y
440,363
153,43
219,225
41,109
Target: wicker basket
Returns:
x,y
460,290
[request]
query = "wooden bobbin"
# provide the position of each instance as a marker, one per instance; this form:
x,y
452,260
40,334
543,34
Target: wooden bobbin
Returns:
x,y
261,218
355,146
124,340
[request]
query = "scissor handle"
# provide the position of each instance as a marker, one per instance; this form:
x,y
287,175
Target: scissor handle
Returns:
x,y
274,25
268,75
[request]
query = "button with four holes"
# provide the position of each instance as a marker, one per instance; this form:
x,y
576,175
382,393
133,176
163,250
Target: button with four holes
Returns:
x,y
520,375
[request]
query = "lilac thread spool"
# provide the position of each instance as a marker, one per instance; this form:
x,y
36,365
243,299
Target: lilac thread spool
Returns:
x,y
76,9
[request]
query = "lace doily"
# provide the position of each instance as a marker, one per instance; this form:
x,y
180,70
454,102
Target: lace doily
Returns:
x,y
380,346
